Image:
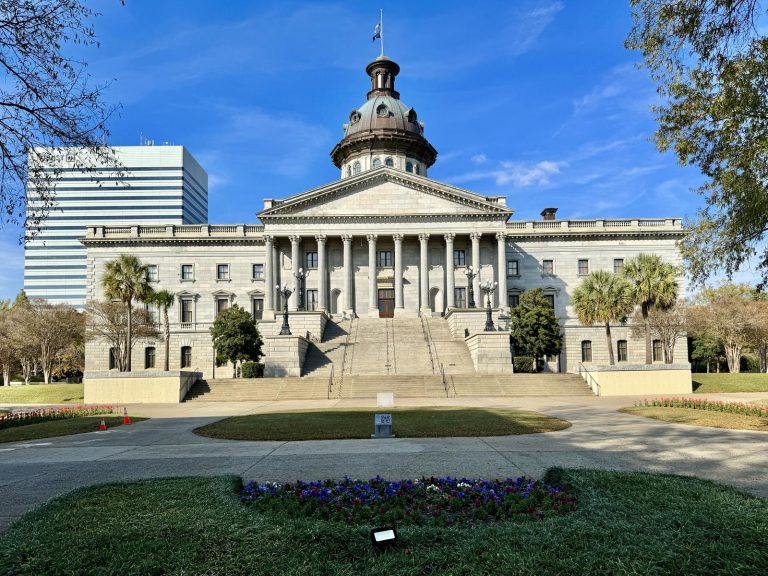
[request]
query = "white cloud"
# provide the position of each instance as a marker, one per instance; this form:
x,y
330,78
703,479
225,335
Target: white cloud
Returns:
x,y
479,159
518,174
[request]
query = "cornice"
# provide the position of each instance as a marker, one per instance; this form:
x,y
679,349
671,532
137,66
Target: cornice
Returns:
x,y
574,235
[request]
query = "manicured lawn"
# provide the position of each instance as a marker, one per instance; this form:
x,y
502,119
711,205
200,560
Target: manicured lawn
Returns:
x,y
407,423
625,524
42,394
701,417
748,382
63,427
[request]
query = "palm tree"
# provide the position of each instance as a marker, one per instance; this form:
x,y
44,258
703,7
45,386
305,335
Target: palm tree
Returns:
x,y
655,286
125,279
164,300
603,297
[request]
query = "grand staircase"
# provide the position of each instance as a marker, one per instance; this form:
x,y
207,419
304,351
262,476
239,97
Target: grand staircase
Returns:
x,y
411,357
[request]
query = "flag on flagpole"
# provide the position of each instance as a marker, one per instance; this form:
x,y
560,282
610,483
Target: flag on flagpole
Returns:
x,y
376,32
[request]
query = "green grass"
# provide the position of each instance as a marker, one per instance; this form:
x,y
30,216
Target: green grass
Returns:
x,y
407,423
694,417
42,394
627,524
64,427
747,382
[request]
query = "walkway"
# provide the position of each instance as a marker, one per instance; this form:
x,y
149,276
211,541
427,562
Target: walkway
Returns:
x,y
33,472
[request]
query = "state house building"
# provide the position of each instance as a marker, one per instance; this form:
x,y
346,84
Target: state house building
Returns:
x,y
384,252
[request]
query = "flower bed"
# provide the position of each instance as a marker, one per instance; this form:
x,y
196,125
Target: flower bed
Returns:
x,y
703,404
22,418
428,501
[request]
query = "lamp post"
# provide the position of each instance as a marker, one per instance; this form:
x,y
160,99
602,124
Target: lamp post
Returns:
x,y
489,288
301,276
470,273
286,292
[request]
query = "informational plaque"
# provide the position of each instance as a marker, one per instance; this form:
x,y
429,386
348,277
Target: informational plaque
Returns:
x,y
382,426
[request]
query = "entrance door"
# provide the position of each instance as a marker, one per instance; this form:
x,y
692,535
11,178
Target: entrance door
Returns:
x,y
386,303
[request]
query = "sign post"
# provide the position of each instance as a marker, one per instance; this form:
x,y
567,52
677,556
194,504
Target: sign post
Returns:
x,y
382,426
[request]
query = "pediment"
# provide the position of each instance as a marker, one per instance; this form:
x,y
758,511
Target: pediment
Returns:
x,y
384,192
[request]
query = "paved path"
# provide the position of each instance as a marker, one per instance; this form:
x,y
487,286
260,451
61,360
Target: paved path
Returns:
x,y
32,472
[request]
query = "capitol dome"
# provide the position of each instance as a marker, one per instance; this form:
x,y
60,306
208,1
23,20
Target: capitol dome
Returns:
x,y
383,131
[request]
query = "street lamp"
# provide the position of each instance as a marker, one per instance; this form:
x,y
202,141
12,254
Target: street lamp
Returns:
x,y
286,292
489,288
301,276
470,274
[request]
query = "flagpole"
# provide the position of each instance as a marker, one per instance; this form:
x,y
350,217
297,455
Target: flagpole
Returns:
x,y
381,26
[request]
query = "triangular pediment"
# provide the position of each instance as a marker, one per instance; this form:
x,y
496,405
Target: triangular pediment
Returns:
x,y
384,192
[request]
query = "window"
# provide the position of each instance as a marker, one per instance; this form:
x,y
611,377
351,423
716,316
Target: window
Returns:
x,y
186,310
658,354
621,348
153,312
112,359
513,300
513,268
149,357
257,272
459,258
152,273
583,267
376,163
385,258
586,350
187,272
618,265
311,260
349,171
257,308
418,171
221,305
460,295
311,300
389,162
550,298
356,168
548,266
222,272
186,356
409,166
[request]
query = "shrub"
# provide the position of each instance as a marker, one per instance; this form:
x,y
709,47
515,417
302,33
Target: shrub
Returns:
x,y
13,419
711,405
524,364
252,370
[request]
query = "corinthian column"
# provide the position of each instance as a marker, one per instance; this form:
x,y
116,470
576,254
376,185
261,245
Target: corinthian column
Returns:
x,y
399,305
501,291
449,271
348,270
322,272
424,272
475,236
373,304
293,301
269,288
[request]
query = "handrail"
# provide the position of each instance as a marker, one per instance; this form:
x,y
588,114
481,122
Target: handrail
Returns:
x,y
445,384
428,340
394,355
344,357
330,383
593,384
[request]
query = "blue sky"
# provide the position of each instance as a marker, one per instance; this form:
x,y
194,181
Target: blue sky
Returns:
x,y
534,99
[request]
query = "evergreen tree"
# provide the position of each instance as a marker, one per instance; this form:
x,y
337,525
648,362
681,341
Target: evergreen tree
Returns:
x,y
236,337
535,330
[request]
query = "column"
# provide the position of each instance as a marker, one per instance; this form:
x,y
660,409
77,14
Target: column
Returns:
x,y
450,287
348,273
293,301
322,272
424,271
475,236
269,288
399,303
373,303
501,290
276,276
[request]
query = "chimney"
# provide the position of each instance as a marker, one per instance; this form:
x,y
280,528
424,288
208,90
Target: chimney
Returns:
x,y
549,213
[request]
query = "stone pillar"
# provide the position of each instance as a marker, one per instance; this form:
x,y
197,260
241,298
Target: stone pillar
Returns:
x,y
450,286
269,285
276,298
348,274
322,272
373,303
475,236
501,290
424,272
399,303
293,301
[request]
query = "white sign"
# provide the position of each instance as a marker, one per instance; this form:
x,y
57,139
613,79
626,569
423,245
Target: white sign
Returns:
x,y
383,420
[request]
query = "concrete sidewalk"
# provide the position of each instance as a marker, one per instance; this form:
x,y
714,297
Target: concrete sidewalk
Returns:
x,y
33,472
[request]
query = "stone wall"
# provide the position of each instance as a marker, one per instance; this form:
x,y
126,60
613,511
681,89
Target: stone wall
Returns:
x,y
490,352
140,387
284,355
639,379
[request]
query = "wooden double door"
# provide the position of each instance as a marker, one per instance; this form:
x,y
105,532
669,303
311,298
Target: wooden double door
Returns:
x,y
386,302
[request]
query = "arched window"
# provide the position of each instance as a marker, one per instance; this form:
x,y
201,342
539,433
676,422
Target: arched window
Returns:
x,y
389,162
149,357
356,168
186,356
349,171
621,348
586,350
418,170
377,162
409,166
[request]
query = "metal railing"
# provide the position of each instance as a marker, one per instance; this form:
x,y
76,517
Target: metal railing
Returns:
x,y
589,379
445,383
428,340
330,383
344,357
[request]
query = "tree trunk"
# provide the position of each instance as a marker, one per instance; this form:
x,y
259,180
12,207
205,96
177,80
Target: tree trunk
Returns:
x,y
167,338
733,357
610,343
669,352
6,375
128,343
648,352
707,366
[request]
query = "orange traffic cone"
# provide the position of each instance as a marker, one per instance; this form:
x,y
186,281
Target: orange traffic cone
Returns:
x,y
103,425
126,418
